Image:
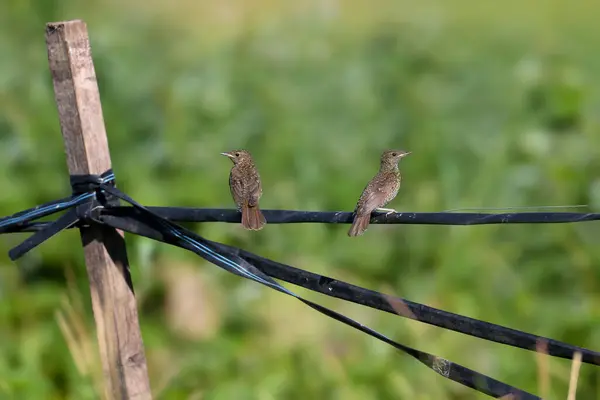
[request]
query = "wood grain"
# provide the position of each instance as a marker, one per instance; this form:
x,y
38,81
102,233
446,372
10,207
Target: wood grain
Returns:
x,y
86,145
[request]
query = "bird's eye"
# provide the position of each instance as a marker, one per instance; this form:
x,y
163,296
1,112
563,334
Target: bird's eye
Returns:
x,y
394,154
237,154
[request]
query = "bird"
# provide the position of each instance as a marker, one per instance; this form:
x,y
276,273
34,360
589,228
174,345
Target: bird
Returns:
x,y
246,188
379,191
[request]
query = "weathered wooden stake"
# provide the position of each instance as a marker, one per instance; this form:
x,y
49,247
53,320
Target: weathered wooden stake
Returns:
x,y
82,125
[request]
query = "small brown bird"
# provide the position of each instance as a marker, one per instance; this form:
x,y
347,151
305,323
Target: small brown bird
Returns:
x,y
246,189
381,190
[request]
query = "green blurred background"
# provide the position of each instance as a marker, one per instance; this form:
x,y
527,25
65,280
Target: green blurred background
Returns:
x,y
498,101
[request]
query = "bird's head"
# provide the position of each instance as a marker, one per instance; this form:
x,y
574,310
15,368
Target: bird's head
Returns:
x,y
238,156
392,157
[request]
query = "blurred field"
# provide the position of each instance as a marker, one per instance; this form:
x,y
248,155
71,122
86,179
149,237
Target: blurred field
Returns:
x,y
498,101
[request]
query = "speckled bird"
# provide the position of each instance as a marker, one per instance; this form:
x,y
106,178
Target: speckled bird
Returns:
x,y
379,191
246,189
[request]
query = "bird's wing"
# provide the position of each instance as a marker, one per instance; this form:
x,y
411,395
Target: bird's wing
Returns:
x,y
254,190
372,197
245,189
236,185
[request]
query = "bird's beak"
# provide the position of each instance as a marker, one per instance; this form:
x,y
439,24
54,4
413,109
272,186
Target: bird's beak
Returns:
x,y
227,155
407,153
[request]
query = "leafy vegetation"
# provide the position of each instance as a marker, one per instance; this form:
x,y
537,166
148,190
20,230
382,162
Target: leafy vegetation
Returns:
x,y
497,101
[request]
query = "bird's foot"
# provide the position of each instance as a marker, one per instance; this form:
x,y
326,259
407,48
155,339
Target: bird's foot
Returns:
x,y
387,211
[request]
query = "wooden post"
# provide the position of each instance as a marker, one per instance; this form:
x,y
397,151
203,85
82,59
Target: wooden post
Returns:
x,y
82,125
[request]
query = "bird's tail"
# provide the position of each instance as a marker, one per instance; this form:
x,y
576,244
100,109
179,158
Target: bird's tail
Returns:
x,y
252,218
359,225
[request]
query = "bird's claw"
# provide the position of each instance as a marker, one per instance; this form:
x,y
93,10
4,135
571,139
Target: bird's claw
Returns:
x,y
387,211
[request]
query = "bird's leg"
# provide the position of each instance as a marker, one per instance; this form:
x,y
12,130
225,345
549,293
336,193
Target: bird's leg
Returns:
x,y
387,211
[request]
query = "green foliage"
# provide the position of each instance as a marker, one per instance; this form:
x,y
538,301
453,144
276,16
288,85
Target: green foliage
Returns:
x,y
497,107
